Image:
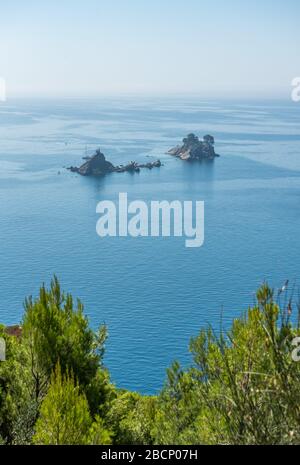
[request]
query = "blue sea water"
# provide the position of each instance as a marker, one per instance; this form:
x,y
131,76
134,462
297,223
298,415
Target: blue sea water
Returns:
x,y
153,293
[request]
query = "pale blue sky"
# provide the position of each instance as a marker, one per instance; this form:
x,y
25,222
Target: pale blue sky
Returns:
x,y
95,47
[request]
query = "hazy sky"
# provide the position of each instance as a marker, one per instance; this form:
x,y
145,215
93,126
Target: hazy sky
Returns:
x,y
210,47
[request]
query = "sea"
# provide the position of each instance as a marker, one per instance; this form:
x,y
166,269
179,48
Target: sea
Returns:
x,y
153,293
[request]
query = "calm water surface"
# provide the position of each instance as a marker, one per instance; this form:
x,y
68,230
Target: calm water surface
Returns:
x,y
153,293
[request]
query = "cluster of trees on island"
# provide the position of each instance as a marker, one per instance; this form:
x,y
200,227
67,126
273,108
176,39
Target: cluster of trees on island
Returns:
x,y
242,388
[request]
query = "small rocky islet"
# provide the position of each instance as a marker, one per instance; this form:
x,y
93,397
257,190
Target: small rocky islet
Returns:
x,y
97,165
191,149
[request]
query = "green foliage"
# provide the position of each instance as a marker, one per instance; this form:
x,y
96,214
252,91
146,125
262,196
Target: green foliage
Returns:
x,y
57,331
65,417
177,411
131,418
18,410
243,386
98,433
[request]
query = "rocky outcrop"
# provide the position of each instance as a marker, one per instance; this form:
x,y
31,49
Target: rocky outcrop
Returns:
x,y
150,165
97,165
94,166
15,330
195,149
134,166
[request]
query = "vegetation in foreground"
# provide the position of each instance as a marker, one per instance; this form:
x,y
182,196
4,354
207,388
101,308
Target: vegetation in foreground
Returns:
x,y
242,388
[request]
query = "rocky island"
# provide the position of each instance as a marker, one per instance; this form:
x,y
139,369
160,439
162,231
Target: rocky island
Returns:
x,y
191,149
195,149
97,165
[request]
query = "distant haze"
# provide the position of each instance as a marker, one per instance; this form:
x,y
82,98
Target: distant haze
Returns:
x,y
242,48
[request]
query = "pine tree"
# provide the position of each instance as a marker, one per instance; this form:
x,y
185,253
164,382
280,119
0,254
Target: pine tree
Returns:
x,y
64,415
